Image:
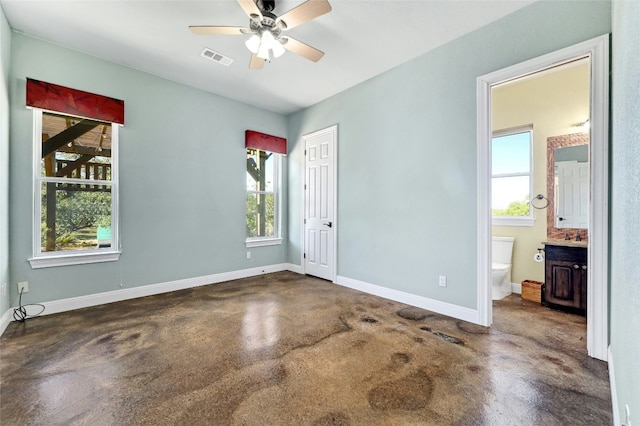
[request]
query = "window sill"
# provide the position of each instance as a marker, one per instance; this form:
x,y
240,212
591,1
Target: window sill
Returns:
x,y
260,242
512,221
73,259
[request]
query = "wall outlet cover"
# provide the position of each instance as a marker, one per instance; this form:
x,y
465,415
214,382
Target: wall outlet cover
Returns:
x,y
442,281
23,287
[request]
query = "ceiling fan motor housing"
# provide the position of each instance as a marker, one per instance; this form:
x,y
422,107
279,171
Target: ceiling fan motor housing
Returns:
x,y
269,22
266,5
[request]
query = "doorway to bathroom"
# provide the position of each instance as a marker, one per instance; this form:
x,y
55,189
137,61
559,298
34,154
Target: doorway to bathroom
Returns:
x,y
555,97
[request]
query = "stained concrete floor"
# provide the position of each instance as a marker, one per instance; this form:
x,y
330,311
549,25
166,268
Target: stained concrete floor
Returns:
x,y
285,349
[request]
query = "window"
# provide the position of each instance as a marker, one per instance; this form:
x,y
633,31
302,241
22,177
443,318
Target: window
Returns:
x,y
511,177
263,172
76,192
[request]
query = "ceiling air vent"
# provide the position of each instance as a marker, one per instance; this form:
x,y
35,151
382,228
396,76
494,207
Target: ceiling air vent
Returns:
x,y
216,57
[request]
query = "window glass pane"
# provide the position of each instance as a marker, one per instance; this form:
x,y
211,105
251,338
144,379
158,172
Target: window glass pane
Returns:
x,y
75,217
75,148
510,196
260,170
511,153
260,215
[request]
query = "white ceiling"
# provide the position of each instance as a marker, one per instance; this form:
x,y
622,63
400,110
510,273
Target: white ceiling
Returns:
x,y
361,39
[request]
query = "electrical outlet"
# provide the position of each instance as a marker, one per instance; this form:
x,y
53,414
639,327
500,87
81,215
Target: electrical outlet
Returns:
x,y
442,282
23,287
248,255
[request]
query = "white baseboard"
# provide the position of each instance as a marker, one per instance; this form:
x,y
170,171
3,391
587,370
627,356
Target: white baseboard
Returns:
x,y
448,309
294,268
516,288
63,305
5,320
612,385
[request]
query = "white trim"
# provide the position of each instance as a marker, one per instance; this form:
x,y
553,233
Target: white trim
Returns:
x,y
512,220
598,253
597,287
277,193
432,305
64,305
484,217
262,242
336,223
5,320
516,288
74,258
78,257
612,385
298,269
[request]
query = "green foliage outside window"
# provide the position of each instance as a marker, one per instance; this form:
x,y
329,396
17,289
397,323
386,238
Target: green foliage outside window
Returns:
x,y
516,208
78,215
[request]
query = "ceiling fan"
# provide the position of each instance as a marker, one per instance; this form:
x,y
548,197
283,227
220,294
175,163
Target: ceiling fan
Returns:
x,y
266,29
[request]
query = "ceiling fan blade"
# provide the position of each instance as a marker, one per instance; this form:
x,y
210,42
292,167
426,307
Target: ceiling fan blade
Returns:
x,y
250,8
307,11
304,50
256,63
208,30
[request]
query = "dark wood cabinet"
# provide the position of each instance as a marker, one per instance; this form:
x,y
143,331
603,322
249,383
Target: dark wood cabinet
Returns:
x,y
566,277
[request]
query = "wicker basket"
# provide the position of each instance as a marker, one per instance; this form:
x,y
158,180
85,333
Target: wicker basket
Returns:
x,y
532,291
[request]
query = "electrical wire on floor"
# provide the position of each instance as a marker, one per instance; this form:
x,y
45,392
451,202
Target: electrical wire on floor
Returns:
x,y
20,313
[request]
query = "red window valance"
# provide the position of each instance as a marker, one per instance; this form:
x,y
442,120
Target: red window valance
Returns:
x,y
265,142
75,102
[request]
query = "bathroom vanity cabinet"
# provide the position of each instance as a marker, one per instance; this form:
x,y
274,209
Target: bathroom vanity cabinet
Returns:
x,y
566,277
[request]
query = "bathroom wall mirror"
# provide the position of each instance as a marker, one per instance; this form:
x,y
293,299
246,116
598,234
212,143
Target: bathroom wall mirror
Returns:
x,y
568,186
571,186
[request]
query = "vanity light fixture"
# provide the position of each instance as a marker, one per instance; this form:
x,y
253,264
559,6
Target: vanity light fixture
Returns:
x,y
583,126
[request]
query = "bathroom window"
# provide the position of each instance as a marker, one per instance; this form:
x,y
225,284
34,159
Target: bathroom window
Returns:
x,y
512,177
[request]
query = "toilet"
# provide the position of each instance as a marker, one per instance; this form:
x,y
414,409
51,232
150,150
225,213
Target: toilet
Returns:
x,y
501,251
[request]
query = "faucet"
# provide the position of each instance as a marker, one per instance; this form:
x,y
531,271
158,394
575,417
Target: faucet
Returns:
x,y
578,238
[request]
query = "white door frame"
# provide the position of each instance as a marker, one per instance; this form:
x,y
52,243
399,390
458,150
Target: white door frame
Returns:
x,y
597,288
336,223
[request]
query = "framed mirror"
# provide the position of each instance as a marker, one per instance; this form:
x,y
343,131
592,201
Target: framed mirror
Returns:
x,y
568,186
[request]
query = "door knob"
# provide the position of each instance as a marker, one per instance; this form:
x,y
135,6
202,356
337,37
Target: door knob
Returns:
x,y
584,266
561,218
576,266
329,224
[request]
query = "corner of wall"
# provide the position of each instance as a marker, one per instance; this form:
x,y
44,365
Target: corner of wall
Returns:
x,y
5,52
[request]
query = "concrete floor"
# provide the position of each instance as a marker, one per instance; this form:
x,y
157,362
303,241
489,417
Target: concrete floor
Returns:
x,y
285,349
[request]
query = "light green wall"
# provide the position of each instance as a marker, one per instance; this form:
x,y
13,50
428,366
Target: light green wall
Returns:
x,y
182,174
625,206
407,153
5,51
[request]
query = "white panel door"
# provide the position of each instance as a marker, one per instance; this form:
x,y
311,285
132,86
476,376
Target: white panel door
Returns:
x,y
573,194
319,191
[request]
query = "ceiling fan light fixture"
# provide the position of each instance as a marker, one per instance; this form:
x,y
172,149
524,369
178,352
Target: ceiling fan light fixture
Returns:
x,y
263,52
277,49
253,43
268,43
267,39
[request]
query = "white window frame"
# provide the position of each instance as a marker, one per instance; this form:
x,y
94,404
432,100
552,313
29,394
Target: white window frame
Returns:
x,y
72,257
515,220
277,238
